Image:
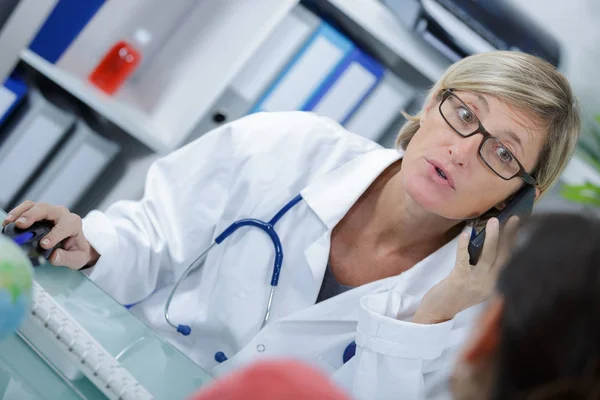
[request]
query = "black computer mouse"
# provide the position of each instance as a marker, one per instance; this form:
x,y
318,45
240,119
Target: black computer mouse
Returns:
x,y
31,245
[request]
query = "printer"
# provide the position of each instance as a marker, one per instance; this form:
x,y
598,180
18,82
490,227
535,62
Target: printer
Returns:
x,y
458,28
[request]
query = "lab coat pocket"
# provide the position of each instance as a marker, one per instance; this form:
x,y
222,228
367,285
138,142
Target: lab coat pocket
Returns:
x,y
330,354
332,359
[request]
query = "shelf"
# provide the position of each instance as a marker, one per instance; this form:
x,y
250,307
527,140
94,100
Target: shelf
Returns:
x,y
377,20
162,107
123,115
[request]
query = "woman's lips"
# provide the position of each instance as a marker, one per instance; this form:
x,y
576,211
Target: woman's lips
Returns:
x,y
440,174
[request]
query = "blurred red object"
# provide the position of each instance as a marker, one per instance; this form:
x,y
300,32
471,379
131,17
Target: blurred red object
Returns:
x,y
115,67
273,380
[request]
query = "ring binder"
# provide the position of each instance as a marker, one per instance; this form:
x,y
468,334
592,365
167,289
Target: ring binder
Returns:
x,y
381,107
73,169
11,94
316,60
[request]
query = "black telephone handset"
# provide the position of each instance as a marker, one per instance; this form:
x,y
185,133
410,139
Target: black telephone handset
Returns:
x,y
521,205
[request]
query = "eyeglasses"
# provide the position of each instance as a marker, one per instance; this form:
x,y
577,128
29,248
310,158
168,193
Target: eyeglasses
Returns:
x,y
491,150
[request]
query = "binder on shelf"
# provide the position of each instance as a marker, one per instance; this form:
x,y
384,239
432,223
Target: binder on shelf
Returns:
x,y
75,167
262,68
229,107
62,27
303,76
29,142
11,94
381,108
278,49
345,89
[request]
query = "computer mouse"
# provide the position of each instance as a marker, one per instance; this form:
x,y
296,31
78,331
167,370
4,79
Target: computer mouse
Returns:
x,y
29,239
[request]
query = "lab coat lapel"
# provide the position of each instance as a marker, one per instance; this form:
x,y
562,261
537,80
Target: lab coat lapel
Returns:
x,y
330,198
332,195
317,256
413,283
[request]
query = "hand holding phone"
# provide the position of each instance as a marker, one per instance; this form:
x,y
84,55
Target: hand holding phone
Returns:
x,y
521,205
466,285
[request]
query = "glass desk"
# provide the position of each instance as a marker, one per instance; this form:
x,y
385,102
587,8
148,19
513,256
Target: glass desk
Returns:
x,y
164,371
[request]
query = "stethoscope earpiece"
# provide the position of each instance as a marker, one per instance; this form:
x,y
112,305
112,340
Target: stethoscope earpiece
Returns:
x,y
185,330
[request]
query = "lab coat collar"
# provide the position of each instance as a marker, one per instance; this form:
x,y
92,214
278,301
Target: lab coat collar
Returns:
x,y
410,285
332,196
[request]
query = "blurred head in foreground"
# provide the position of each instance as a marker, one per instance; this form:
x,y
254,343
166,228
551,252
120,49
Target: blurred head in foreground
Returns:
x,y
539,337
273,380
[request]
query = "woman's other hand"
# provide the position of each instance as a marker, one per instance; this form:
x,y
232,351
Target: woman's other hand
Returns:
x,y
468,285
75,251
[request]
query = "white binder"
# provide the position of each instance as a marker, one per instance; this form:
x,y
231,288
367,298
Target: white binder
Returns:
x,y
229,107
285,41
381,108
303,77
342,93
270,58
349,89
28,143
73,169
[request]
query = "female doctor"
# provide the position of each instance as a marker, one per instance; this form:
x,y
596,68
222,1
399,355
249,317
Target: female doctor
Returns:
x,y
376,286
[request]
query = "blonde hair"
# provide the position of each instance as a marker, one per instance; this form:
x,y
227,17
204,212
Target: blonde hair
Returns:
x,y
527,83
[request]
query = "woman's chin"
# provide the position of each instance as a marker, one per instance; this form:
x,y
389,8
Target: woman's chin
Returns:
x,y
425,195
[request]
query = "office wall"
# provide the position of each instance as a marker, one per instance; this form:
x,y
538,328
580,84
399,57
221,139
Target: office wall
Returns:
x,y
575,24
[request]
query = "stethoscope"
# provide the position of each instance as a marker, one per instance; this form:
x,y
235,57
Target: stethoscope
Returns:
x,y
269,229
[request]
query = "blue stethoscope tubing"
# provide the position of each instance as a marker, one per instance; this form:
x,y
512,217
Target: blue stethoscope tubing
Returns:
x,y
269,229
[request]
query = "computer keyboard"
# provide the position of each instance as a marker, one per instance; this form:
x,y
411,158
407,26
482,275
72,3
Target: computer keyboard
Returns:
x,y
71,350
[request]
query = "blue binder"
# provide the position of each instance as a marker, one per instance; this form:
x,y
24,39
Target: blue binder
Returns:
x,y
296,84
66,21
355,77
329,75
11,94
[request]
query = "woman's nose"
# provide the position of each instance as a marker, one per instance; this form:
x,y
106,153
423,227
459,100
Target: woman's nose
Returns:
x,y
464,149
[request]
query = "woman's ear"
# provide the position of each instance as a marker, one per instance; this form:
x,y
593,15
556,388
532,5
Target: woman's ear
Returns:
x,y
485,339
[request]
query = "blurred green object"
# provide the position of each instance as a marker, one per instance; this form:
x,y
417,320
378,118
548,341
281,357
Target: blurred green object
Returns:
x,y
16,278
585,194
589,143
588,148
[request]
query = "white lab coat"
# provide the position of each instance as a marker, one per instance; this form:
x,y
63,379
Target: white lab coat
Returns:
x,y
251,168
